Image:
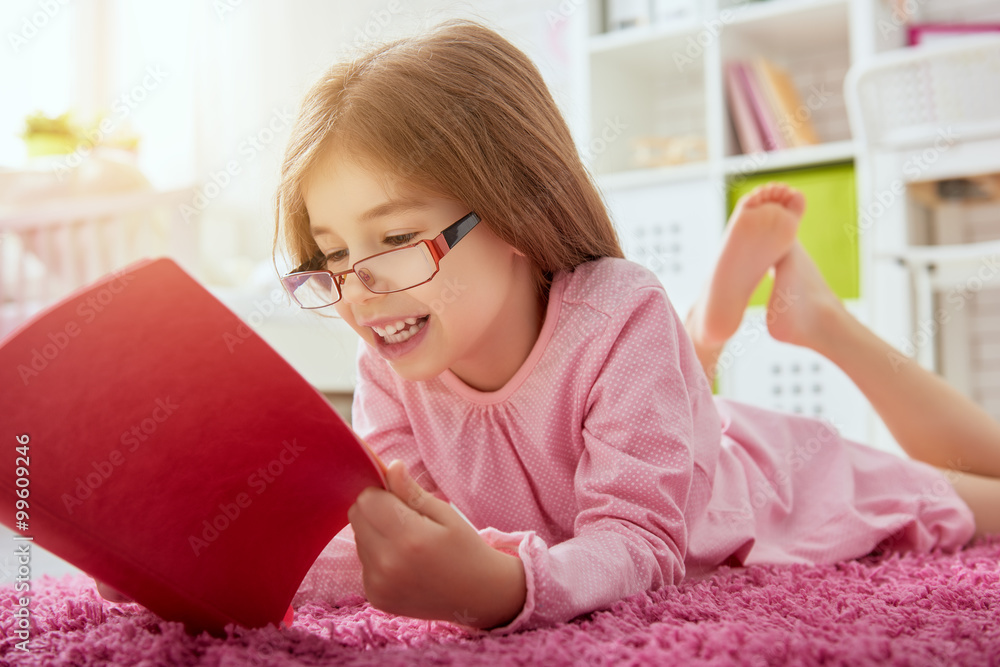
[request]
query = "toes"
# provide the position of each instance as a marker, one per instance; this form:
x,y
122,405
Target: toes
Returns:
x,y
766,193
779,193
772,192
797,202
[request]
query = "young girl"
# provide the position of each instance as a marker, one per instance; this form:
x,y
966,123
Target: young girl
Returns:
x,y
554,441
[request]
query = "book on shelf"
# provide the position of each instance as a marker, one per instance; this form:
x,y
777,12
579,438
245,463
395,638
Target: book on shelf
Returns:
x,y
770,135
744,119
164,448
764,93
785,103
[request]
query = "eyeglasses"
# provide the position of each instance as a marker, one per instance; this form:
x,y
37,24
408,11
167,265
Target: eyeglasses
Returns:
x,y
390,271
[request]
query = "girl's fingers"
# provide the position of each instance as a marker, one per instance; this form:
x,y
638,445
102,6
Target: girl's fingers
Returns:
x,y
111,594
415,498
367,520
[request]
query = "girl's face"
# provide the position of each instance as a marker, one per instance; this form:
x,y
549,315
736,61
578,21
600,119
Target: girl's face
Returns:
x,y
479,316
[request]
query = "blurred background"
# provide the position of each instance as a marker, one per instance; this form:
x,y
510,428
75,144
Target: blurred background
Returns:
x,y
190,86
139,129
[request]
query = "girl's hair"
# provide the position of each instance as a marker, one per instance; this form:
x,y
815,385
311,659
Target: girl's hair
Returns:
x,y
463,113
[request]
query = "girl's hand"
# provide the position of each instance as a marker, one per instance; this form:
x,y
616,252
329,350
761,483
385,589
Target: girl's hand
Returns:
x,y
421,559
111,594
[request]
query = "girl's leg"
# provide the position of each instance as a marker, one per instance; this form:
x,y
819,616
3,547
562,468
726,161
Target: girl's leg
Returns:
x,y
982,495
931,420
760,231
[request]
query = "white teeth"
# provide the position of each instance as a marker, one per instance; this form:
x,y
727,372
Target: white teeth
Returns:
x,y
389,335
398,326
401,330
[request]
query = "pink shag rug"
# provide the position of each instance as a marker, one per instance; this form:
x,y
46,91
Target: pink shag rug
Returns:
x,y
883,609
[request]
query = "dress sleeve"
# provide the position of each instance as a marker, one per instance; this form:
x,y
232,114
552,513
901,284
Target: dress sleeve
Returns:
x,y
635,480
335,575
380,419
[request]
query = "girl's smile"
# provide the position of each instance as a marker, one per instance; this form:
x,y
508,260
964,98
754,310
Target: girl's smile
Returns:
x,y
409,336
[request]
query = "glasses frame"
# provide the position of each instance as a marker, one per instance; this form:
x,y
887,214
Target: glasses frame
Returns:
x,y
438,247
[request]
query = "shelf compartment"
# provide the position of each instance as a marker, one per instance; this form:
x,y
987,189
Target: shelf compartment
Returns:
x,y
649,89
810,41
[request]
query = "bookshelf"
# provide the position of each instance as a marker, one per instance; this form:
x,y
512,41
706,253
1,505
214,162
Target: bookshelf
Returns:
x,y
666,78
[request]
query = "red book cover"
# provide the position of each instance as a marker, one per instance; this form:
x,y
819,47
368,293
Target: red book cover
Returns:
x,y
156,442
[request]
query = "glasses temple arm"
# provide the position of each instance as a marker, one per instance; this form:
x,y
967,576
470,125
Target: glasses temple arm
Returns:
x,y
454,234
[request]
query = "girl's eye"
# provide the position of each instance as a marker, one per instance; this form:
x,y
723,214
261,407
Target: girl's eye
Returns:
x,y
336,257
400,239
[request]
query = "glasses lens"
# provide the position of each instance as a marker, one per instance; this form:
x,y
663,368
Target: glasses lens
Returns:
x,y
397,270
312,290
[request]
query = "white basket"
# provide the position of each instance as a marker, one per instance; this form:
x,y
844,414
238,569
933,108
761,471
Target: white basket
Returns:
x,y
906,98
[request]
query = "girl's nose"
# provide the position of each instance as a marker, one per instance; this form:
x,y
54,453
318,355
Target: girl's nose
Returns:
x,y
354,291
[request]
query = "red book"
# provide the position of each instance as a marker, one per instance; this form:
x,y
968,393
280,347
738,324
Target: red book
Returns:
x,y
156,442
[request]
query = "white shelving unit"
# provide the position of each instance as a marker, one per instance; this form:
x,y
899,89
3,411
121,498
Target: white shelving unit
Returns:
x,y
666,79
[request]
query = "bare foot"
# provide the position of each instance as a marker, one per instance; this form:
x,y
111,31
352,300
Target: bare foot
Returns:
x,y
760,231
802,310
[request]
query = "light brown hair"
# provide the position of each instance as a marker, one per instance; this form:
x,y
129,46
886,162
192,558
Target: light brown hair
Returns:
x,y
463,113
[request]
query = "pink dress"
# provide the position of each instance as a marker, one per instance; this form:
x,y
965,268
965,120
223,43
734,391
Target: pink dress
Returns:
x,y
609,468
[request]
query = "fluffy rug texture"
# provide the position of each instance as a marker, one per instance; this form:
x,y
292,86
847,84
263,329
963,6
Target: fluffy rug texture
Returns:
x,y
883,609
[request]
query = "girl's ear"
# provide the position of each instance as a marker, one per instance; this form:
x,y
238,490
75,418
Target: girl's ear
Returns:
x,y
518,252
